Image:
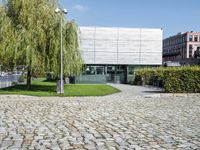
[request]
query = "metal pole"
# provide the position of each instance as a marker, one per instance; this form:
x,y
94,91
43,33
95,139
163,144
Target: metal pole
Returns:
x,y
60,84
61,59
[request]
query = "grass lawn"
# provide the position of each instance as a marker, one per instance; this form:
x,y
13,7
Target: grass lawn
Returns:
x,y
40,87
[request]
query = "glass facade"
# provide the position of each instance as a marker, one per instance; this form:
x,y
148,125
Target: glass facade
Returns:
x,y
108,73
112,73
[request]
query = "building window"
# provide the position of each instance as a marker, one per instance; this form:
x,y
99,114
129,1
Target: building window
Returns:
x,y
183,38
100,70
196,38
182,52
190,38
190,51
190,47
90,70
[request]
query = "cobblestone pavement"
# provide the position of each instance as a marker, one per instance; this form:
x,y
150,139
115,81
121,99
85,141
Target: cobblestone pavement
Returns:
x,y
132,91
110,122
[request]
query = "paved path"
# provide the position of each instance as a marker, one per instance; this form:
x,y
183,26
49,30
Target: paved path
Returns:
x,y
119,121
132,91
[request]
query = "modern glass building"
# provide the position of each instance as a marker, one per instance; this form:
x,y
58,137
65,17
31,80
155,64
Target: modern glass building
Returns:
x,y
112,54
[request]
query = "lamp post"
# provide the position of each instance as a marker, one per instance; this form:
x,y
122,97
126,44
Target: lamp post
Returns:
x,y
60,84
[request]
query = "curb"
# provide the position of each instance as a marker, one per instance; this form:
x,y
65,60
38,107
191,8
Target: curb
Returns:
x,y
173,95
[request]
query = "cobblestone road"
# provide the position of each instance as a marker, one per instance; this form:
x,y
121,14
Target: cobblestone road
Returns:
x,y
111,122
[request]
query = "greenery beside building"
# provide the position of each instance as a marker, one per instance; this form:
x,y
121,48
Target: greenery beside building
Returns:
x,y
173,79
42,87
30,37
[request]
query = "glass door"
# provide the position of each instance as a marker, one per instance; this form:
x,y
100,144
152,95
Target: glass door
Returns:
x,y
111,74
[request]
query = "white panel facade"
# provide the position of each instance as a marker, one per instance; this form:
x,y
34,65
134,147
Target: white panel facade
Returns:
x,y
87,33
150,58
106,33
129,34
89,56
87,45
129,46
106,46
128,58
122,46
151,34
105,58
150,46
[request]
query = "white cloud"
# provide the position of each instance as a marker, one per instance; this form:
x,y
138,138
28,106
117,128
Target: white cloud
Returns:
x,y
80,8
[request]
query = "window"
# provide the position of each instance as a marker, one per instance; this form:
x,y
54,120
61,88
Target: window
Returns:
x,y
179,40
196,38
90,70
182,53
183,38
111,68
190,38
190,51
100,70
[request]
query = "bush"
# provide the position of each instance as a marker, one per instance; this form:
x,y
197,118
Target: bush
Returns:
x,y
175,80
21,79
14,83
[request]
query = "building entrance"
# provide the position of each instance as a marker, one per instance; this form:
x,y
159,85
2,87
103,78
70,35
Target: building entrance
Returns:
x,y
110,74
116,74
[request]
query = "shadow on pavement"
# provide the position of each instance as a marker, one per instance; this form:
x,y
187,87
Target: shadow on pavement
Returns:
x,y
154,91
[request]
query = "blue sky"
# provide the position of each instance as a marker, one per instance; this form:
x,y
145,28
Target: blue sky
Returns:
x,y
172,15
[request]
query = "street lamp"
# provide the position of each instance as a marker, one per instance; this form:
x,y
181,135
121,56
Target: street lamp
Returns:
x,y
60,84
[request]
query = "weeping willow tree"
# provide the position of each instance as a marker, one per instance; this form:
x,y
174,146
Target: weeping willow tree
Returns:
x,y
7,36
72,57
30,36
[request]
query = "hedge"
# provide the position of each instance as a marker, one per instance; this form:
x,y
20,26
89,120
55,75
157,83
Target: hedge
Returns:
x,y
173,79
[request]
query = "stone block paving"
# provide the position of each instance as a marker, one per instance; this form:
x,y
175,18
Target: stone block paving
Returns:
x,y
102,123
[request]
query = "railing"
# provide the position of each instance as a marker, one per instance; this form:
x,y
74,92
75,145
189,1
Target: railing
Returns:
x,y
6,81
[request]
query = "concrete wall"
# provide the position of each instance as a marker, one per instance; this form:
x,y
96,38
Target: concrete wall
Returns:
x,y
122,46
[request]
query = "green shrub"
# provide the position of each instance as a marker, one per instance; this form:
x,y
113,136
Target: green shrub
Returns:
x,y
173,79
14,83
21,79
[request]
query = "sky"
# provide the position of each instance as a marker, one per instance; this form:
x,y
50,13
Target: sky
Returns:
x,y
173,16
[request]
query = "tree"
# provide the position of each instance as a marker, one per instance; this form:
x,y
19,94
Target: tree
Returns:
x,y
72,60
72,57
30,36
197,53
28,24
7,36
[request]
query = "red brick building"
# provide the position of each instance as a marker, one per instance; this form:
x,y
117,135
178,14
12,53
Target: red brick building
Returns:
x,y
181,46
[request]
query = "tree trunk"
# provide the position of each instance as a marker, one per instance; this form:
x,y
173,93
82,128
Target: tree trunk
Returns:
x,y
28,83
